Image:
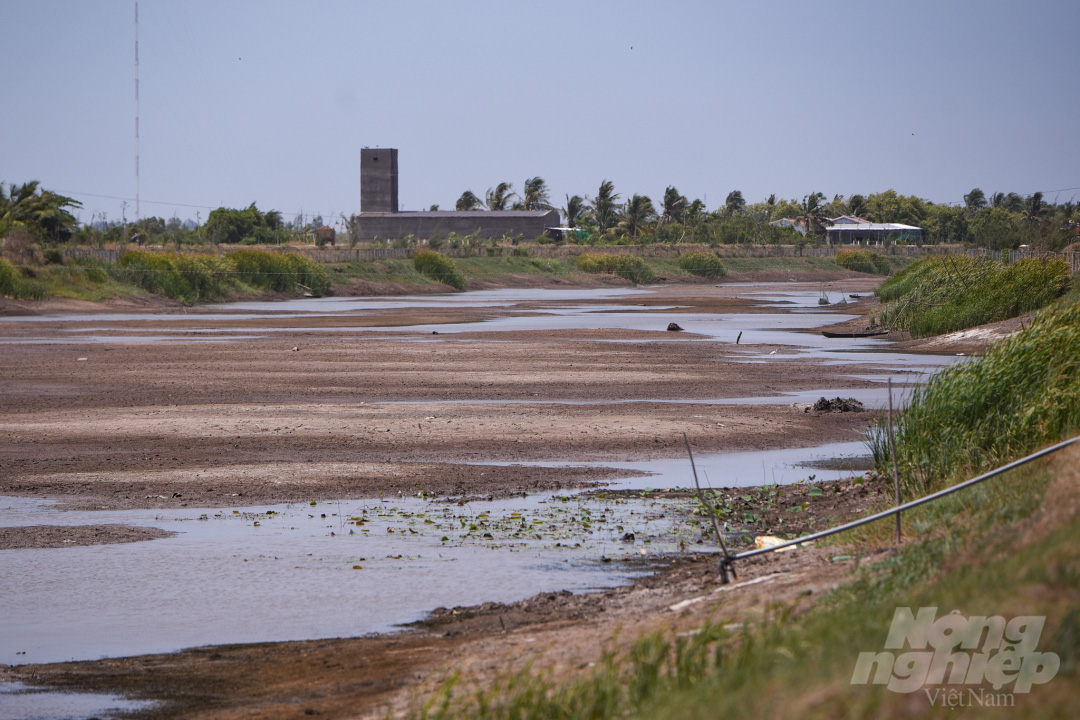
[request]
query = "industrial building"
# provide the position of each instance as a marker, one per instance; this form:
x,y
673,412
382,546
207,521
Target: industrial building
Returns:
x,y
380,217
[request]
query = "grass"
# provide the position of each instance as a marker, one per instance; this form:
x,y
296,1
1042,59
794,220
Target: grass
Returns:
x,y
942,294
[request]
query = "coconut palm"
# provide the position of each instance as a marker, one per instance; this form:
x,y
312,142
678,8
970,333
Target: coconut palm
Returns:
x,y
604,210
675,205
975,200
499,198
1034,209
734,202
468,201
638,211
575,210
42,212
536,195
811,212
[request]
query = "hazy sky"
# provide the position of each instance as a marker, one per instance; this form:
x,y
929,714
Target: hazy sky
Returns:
x,y
271,101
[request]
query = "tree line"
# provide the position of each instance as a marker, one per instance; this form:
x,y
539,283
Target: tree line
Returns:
x,y
1000,221
30,213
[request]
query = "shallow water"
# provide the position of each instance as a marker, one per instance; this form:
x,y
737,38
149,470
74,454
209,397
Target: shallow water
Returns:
x,y
288,573
22,702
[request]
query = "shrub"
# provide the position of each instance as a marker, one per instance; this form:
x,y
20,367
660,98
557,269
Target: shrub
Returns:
x,y
863,261
702,264
630,267
439,267
279,271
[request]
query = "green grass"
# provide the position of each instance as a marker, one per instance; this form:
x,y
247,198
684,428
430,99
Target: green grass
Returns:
x,y
942,294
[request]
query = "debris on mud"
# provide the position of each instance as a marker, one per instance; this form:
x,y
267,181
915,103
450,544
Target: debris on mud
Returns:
x,y
838,404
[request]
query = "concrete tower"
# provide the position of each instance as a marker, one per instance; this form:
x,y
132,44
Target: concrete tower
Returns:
x,y
378,180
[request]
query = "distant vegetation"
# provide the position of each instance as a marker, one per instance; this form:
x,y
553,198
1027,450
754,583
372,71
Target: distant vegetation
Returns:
x,y
941,294
439,267
863,261
199,278
702,264
629,267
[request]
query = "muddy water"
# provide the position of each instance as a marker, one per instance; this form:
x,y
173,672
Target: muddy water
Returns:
x,y
344,569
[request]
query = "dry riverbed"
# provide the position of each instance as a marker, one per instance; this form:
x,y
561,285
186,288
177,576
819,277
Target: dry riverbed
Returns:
x,y
320,411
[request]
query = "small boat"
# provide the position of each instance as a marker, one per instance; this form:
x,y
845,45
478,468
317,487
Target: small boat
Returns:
x,y
867,333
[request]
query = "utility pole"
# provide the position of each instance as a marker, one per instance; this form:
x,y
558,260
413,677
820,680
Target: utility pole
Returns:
x,y
137,214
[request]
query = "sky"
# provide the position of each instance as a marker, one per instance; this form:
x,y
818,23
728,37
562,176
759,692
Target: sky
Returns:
x,y
271,101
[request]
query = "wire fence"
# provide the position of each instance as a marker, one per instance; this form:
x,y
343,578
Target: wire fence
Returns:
x,y
909,505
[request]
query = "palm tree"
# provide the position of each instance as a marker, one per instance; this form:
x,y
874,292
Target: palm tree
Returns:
x,y
812,211
856,205
604,209
42,212
734,202
575,210
468,201
975,200
638,211
675,205
1034,209
499,198
536,195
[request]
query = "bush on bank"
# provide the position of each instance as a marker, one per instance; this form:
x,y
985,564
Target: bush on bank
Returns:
x,y
630,267
702,264
439,267
863,261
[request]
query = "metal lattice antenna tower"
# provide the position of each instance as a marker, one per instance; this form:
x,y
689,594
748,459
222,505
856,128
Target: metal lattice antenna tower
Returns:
x,y
137,215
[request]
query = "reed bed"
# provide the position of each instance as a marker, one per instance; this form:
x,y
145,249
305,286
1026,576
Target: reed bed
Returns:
x,y
199,278
1024,393
942,294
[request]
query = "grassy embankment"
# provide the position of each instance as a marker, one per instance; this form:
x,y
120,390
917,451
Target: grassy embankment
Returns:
x,y
1008,547
194,278
189,278
943,294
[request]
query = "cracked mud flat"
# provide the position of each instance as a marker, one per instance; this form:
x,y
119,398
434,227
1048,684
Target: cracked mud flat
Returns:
x,y
319,411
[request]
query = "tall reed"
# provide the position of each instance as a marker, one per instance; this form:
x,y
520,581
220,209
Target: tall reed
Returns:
x,y
1025,392
941,294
